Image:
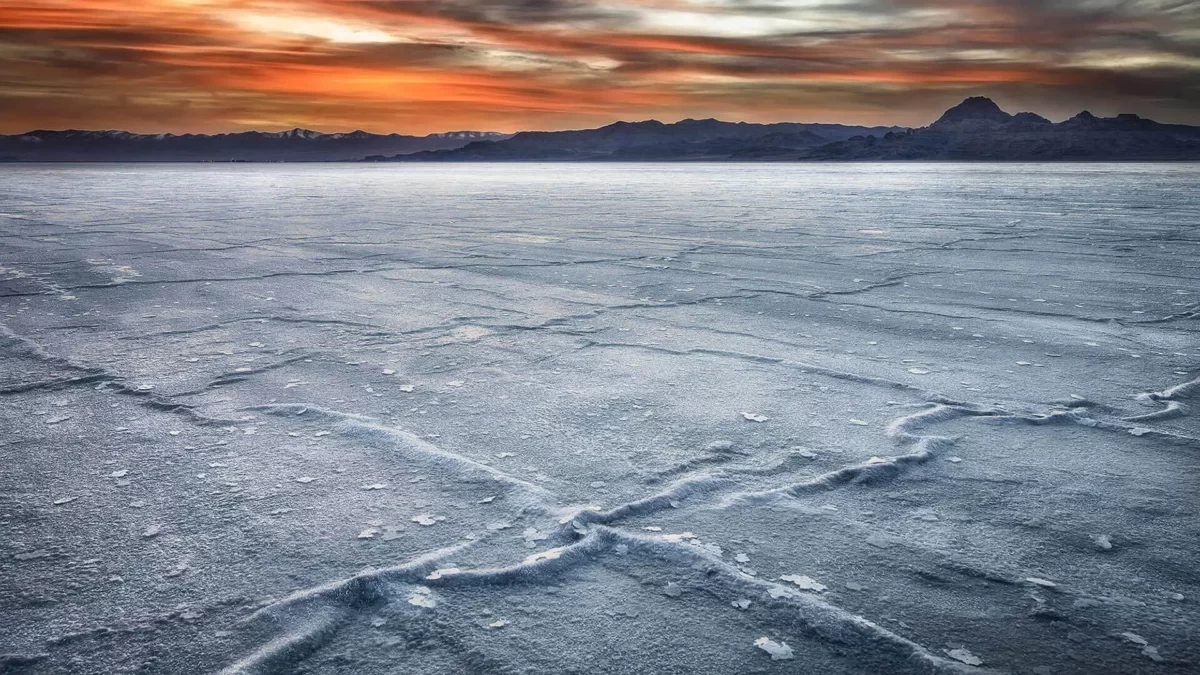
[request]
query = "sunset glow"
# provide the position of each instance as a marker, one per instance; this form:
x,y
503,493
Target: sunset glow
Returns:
x,y
420,66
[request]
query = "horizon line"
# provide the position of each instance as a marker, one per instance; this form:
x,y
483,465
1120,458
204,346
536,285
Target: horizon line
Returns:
x,y
513,133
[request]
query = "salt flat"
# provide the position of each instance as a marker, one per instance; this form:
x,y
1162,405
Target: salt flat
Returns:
x,y
594,418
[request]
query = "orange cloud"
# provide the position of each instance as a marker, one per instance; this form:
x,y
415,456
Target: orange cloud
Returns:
x,y
420,66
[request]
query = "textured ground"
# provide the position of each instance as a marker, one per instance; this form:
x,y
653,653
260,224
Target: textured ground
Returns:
x,y
599,419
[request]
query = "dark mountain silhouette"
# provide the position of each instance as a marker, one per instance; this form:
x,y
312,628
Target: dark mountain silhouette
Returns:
x,y
654,140
975,108
976,129
257,146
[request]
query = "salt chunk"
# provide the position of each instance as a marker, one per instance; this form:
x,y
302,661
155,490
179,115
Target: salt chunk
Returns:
x,y
423,519
1135,638
741,603
964,656
151,532
375,486
755,417
368,533
779,651
804,582
305,479
549,554
858,422
64,500
445,571
919,371
742,558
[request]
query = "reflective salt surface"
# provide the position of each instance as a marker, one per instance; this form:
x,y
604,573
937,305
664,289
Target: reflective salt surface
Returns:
x,y
599,418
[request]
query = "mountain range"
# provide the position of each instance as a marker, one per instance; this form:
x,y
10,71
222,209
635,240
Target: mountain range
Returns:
x,y
974,130
297,145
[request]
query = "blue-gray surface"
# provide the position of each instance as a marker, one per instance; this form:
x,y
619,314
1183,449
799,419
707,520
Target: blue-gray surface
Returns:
x,y
643,419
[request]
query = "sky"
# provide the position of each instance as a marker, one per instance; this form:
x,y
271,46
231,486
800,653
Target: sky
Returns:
x,y
422,66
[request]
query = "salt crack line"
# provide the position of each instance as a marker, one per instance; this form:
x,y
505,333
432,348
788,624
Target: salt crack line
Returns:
x,y
234,377
1174,410
88,375
1082,419
311,617
802,366
877,469
1183,390
372,433
671,497
1170,396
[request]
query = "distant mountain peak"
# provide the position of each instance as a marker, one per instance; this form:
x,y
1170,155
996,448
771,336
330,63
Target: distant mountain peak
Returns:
x,y
302,133
974,108
1030,118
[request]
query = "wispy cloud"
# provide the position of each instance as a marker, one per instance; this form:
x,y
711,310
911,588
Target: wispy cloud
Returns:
x,y
428,65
